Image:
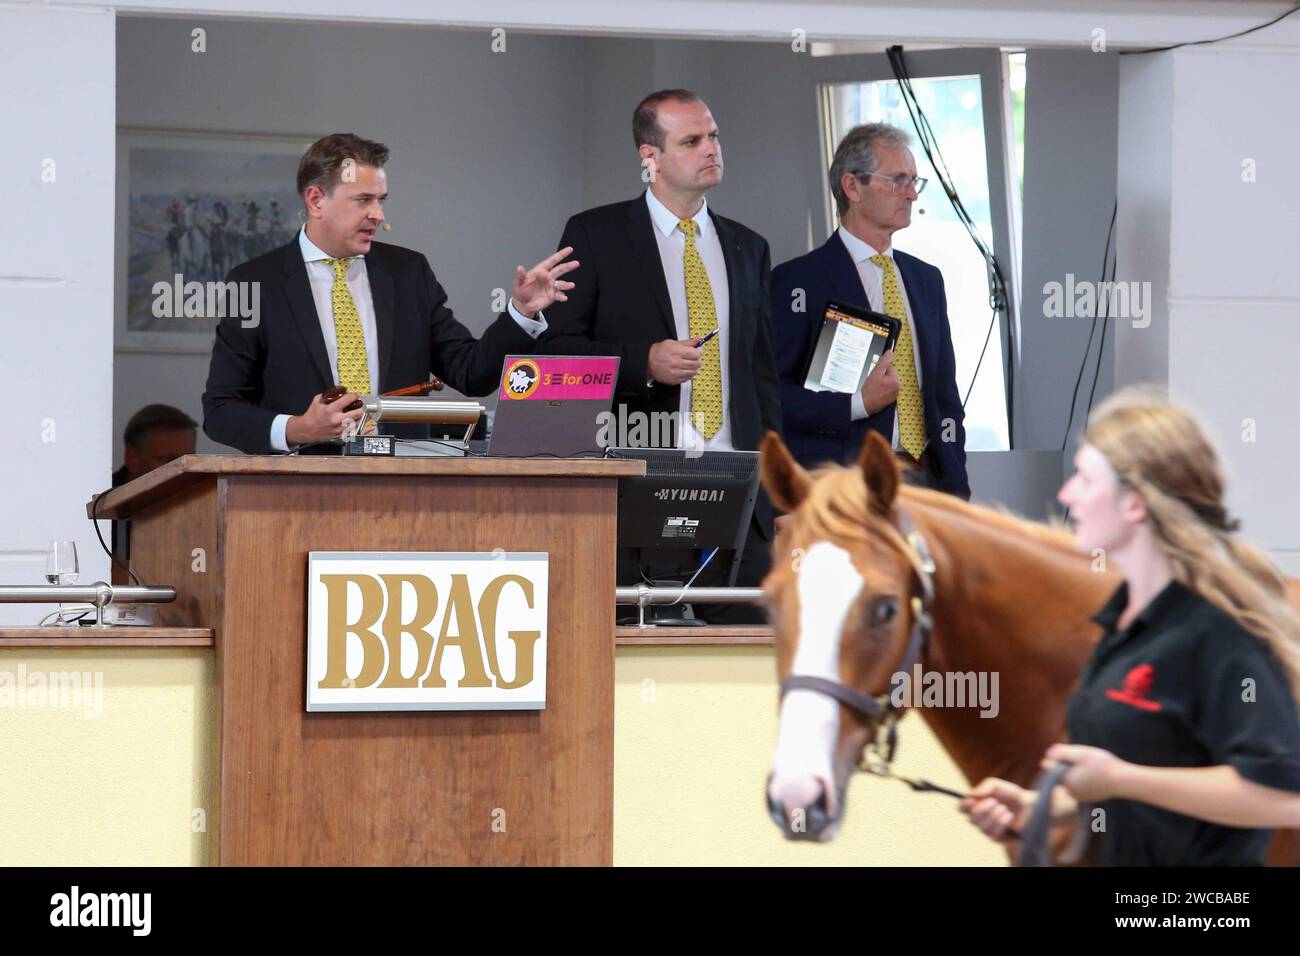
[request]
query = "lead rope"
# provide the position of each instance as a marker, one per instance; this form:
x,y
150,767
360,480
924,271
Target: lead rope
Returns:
x,y
1035,839
1036,844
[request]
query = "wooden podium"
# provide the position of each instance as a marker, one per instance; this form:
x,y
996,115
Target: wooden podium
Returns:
x,y
232,534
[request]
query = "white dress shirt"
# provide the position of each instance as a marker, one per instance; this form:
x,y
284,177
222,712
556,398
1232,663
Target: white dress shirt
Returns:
x,y
873,282
320,274
672,250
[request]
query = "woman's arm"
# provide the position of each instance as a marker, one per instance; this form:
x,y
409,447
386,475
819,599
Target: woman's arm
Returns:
x,y
1215,794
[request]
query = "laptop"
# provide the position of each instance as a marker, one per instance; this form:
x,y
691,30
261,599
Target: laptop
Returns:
x,y
553,406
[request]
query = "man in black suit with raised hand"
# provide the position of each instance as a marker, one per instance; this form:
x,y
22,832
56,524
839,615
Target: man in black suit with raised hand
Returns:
x,y
337,308
659,273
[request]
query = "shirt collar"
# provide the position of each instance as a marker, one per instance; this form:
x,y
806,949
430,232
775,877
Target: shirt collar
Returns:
x,y
860,251
312,252
1173,596
666,220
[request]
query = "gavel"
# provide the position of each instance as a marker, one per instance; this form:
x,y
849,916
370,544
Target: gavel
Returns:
x,y
336,392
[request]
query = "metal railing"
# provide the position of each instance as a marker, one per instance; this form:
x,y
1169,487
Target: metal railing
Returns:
x,y
100,594
644,595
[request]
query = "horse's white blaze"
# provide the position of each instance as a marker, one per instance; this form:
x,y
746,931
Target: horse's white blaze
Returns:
x,y
810,722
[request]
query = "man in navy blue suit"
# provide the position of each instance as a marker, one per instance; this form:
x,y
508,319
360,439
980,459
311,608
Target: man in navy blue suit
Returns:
x,y
911,397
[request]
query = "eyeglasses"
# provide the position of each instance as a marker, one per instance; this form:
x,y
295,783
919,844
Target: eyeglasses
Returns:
x,y
901,182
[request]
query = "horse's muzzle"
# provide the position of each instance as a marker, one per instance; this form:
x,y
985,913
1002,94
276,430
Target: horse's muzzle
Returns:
x,y
812,821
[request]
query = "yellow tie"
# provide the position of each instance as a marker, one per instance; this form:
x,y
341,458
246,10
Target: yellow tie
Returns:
x,y
911,413
702,317
354,369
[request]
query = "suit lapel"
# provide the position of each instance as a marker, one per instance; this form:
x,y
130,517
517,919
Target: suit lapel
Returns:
x,y
843,273
737,334
640,233
381,294
916,298
298,291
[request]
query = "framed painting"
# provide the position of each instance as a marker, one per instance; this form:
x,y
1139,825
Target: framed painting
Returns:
x,y
190,206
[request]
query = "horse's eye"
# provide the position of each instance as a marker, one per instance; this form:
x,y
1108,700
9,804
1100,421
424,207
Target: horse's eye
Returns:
x,y
883,610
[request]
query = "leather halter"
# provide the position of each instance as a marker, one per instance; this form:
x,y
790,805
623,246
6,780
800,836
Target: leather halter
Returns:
x,y
878,709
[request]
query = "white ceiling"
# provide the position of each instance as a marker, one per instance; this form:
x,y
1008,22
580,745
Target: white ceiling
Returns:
x,y
1127,23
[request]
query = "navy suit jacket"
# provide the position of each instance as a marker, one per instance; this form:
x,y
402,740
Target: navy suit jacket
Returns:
x,y
819,425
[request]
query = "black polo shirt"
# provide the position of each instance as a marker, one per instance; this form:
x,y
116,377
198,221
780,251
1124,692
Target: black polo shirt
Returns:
x,y
1168,692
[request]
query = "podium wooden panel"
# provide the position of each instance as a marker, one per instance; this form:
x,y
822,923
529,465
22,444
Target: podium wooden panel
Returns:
x,y
232,534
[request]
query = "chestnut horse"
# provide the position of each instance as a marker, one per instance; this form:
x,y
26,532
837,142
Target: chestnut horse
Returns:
x,y
846,600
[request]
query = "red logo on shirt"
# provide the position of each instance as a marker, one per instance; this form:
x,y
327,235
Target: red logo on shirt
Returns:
x,y
1137,687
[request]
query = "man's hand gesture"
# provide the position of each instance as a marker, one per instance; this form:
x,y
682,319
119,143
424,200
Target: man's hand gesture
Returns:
x,y
535,289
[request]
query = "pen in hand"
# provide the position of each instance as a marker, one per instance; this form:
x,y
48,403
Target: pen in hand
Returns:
x,y
705,341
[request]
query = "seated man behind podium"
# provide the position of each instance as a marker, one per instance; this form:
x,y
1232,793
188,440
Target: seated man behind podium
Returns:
x,y
911,398
155,435
337,308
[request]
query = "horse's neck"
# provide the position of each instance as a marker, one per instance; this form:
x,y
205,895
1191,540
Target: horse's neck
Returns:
x,y
1011,604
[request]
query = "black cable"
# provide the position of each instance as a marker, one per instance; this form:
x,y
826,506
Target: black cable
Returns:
x,y
1101,348
94,520
1083,364
1230,36
987,335
998,299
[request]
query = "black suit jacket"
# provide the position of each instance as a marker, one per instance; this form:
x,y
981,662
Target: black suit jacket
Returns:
x,y
279,365
620,306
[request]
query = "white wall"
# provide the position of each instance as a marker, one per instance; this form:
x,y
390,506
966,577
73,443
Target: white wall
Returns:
x,y
950,22
1225,251
56,283
1234,279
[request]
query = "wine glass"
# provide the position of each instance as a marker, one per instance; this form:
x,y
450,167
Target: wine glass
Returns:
x,y
61,566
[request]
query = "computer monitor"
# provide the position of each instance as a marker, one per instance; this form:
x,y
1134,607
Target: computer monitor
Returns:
x,y
687,503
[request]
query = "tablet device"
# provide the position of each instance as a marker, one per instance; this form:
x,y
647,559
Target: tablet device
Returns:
x,y
848,346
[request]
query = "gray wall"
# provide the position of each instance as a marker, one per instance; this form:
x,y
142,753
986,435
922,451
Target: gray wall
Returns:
x,y
493,152
766,113
1143,226
1071,103
486,147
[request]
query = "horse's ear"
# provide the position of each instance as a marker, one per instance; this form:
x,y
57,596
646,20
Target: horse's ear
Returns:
x,y
784,478
880,472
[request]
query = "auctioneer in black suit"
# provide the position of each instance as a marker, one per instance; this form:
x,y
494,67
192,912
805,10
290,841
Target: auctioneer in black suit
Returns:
x,y
278,365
